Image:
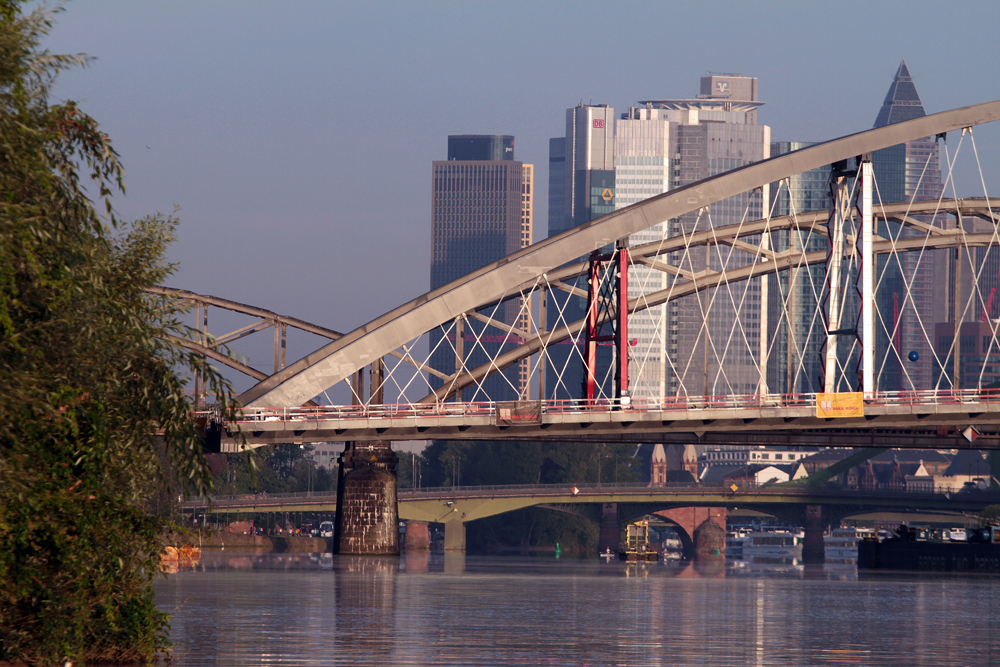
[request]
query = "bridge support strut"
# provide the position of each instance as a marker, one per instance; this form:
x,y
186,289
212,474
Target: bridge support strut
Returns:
x,y
607,305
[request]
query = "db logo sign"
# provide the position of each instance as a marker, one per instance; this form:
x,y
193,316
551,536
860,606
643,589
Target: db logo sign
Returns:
x,y
598,123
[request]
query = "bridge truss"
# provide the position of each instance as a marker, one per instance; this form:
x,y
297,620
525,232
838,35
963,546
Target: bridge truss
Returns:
x,y
871,296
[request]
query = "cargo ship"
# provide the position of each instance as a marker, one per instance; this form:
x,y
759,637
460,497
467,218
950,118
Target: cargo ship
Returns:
x,y
933,550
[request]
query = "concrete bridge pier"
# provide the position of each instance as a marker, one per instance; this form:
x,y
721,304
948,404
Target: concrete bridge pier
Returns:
x,y
367,516
454,535
813,550
417,537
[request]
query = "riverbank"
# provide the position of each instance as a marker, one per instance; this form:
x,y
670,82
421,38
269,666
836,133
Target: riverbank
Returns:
x,y
276,544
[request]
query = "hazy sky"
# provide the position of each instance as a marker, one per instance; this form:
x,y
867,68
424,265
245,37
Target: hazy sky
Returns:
x,y
297,137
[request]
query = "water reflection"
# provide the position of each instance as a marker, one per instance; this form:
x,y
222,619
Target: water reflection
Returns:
x,y
320,609
364,606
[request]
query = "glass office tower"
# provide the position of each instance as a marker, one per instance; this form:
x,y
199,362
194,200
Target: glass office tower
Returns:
x,y
642,170
481,212
795,364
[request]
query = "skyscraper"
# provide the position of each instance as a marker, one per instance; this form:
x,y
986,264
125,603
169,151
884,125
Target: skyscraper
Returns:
x,y
642,170
585,158
794,363
906,172
481,212
707,351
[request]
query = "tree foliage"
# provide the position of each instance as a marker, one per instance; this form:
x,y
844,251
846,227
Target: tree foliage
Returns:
x,y
88,376
990,513
273,469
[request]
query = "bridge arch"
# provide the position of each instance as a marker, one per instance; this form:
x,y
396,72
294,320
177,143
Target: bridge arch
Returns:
x,y
335,362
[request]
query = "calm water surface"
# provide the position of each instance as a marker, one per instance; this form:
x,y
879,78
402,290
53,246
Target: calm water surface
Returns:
x,y
434,610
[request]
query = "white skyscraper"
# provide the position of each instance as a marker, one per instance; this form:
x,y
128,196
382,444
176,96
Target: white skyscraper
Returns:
x,y
642,170
665,144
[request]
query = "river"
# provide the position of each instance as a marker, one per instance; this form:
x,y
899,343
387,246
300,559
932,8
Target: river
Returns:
x,y
279,609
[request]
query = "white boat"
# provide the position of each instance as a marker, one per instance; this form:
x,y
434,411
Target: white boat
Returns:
x,y
734,544
773,547
840,545
673,548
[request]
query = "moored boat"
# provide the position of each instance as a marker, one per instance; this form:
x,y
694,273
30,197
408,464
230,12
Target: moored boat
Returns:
x,y
841,544
774,547
735,540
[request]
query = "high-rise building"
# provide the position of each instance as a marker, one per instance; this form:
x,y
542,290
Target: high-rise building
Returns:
x,y
585,158
481,211
795,364
642,170
910,296
707,350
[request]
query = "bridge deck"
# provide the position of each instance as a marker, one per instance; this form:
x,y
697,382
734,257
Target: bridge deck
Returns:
x,y
903,419
439,503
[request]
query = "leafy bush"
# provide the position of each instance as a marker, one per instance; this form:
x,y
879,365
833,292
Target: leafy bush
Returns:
x,y
90,371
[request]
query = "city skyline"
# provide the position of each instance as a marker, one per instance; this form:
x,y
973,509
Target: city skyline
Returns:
x,y
260,126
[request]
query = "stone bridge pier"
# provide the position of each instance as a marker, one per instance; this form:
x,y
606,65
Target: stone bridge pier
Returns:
x,y
418,536
367,515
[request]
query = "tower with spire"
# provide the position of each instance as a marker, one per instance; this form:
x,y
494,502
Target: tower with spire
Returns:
x,y
902,101
907,172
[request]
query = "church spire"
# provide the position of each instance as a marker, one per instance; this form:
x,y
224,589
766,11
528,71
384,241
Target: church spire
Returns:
x,y
902,101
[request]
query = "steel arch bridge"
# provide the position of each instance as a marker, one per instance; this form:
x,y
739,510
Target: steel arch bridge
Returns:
x,y
959,225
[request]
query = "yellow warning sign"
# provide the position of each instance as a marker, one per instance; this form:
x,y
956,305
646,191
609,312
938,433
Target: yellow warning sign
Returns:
x,y
607,195
734,487
847,404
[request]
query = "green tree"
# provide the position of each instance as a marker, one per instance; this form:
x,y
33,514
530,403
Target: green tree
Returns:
x,y
88,376
287,468
990,513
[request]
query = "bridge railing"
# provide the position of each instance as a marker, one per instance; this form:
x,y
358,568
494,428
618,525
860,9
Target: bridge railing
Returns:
x,y
251,416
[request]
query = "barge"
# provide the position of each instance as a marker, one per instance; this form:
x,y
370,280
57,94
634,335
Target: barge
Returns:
x,y
636,546
933,550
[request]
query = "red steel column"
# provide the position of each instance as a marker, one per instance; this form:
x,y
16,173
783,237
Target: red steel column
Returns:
x,y
593,297
621,331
